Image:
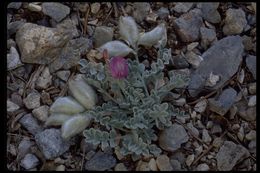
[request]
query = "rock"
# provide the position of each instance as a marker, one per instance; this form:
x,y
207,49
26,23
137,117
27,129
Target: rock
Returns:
x,y
201,106
222,104
142,166
32,100
63,75
216,129
102,35
163,163
120,167
247,42
179,62
29,161
41,113
68,25
55,10
176,166
44,80
205,136
202,167
188,25
251,64
141,10
235,21
217,142
252,101
10,43
209,11
252,88
190,159
251,135
192,45
252,146
13,59
51,143
12,107
24,147
171,138
208,36
100,162
95,7
179,102
179,156
247,114
13,27
152,165
60,168
69,57
193,129
17,99
14,5
229,154
34,7
31,124
225,53
40,44
193,59
163,13
182,7
45,98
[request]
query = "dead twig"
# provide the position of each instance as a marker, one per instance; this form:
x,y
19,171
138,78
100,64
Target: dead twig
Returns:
x,y
115,9
86,22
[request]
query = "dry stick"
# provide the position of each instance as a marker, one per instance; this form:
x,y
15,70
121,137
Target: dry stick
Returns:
x,y
65,88
115,9
110,11
122,8
83,159
86,22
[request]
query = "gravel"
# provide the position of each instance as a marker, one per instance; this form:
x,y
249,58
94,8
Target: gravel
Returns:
x,y
163,163
100,162
251,64
41,113
31,124
102,35
29,161
13,59
56,11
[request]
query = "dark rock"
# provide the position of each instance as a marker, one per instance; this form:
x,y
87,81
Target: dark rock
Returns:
x,y
209,11
225,53
188,25
251,64
100,162
182,7
55,10
51,143
17,99
179,62
31,124
247,42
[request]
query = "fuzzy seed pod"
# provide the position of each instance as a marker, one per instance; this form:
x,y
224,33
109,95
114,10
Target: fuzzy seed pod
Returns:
x,y
57,119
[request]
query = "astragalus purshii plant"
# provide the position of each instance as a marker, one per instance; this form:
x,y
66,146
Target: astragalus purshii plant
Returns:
x,y
131,113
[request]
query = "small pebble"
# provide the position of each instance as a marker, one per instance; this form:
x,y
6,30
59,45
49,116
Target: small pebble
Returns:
x,y
252,88
163,163
32,100
203,167
190,159
60,168
95,7
41,113
205,136
120,167
152,165
252,101
29,161
251,135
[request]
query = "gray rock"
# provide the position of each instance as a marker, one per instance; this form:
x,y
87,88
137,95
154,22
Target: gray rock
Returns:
x,y
31,124
32,100
245,112
251,64
14,5
252,146
55,10
29,161
41,113
190,159
216,129
179,62
222,104
86,146
225,53
163,163
202,167
13,27
141,10
71,54
209,11
39,44
205,136
181,7
179,156
13,59
193,59
44,80
163,13
251,135
17,99
229,154
120,167
207,36
252,88
193,129
235,21
171,138
51,143
252,101
10,43
102,35
12,107
69,25
100,162
63,75
24,147
176,166
188,25
60,168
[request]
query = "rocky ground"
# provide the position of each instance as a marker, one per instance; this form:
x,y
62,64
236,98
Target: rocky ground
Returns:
x,y
218,131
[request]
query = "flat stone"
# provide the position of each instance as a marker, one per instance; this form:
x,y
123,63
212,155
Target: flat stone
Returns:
x,y
13,59
208,36
13,27
31,124
190,159
222,104
229,154
193,59
29,161
182,7
140,10
251,64
171,138
100,162
102,35
12,107
163,13
51,143
41,113
225,53
40,44
163,163
32,100
44,80
14,5
55,10
202,167
176,166
209,11
205,136
235,21
63,75
193,129
179,62
24,147
188,25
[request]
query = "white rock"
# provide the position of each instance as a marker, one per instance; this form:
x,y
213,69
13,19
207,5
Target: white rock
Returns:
x,y
152,165
251,135
212,80
60,168
202,167
45,79
34,7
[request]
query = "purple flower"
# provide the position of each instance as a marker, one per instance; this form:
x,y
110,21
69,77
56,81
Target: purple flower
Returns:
x,y
118,67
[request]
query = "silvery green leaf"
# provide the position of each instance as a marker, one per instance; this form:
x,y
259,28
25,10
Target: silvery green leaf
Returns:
x,y
56,119
157,36
116,48
66,105
74,125
128,30
83,92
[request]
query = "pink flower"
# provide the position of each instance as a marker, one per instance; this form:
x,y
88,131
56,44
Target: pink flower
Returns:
x,y
118,67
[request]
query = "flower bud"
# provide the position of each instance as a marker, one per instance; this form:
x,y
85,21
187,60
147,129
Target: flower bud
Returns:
x,y
118,67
